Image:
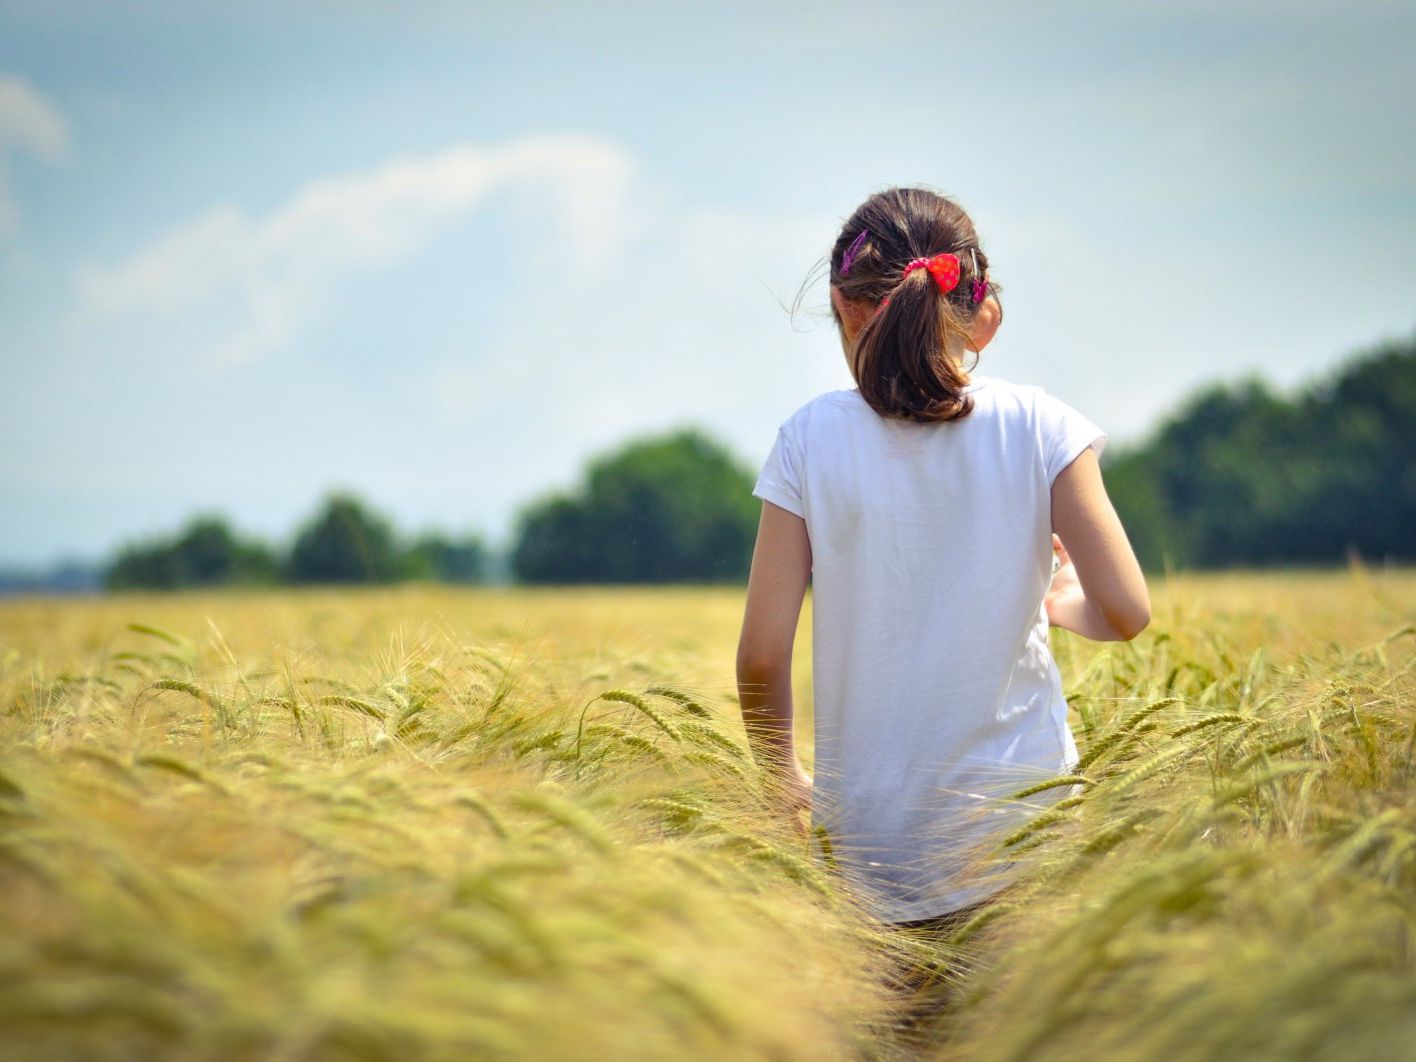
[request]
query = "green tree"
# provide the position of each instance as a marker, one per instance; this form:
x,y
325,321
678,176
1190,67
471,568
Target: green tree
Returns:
x,y
435,556
676,507
143,566
345,543
1241,476
205,553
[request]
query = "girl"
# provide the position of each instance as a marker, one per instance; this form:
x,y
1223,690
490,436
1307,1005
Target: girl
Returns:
x,y
922,505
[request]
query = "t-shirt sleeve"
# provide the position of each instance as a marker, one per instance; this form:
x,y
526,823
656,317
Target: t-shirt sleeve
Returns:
x,y
779,482
1065,434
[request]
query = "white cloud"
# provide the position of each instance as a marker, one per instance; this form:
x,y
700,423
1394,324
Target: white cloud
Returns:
x,y
692,327
30,123
276,269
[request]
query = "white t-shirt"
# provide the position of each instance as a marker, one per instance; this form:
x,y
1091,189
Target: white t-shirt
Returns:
x,y
934,688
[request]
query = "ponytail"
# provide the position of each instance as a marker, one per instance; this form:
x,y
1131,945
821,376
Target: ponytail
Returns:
x,y
903,354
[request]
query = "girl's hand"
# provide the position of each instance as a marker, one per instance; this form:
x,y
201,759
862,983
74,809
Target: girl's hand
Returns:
x,y
1064,579
797,790
1104,597
1065,593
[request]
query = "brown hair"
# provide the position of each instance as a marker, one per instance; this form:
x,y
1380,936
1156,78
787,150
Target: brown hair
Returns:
x,y
901,354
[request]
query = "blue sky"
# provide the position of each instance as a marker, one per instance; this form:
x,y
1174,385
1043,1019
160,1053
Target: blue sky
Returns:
x,y
440,253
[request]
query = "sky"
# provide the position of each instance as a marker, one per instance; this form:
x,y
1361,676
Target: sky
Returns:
x,y
442,254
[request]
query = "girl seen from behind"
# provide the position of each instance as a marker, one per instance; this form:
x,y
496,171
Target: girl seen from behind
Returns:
x,y
925,506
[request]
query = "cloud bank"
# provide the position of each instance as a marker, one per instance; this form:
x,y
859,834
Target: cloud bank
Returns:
x,y
275,269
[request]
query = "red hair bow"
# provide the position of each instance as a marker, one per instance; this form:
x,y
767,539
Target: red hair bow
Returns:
x,y
944,268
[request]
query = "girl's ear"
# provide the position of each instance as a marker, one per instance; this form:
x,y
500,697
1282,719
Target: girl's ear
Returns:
x,y
851,314
985,323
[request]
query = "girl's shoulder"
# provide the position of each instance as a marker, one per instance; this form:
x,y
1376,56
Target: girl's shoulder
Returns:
x,y
1061,431
1031,400
997,388
826,403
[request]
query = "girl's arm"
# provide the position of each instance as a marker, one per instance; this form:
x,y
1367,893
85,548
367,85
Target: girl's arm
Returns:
x,y
776,587
1099,592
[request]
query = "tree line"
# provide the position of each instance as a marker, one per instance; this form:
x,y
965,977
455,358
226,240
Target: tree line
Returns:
x,y
676,507
1238,475
1242,476
345,542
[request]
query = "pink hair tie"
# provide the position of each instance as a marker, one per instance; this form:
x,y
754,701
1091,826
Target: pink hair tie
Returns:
x,y
944,268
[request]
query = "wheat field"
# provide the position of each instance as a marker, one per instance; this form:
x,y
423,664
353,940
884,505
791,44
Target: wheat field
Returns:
x,y
522,823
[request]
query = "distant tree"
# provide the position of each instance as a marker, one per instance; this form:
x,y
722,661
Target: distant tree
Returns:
x,y
1241,476
143,566
676,507
205,553
345,543
439,558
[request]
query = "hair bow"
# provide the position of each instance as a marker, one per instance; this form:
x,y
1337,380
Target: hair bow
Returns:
x,y
944,268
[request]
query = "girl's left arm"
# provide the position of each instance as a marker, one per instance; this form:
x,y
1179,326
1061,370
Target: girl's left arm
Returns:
x,y
776,587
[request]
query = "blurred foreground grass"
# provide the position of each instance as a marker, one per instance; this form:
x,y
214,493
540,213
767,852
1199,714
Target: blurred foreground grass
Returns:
x,y
521,823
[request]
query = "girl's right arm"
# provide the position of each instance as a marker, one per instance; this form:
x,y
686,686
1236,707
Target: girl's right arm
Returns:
x,y
776,588
1100,592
